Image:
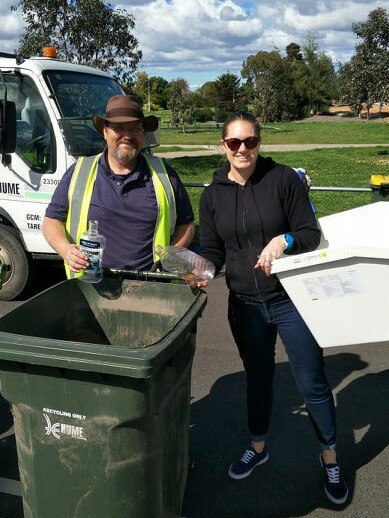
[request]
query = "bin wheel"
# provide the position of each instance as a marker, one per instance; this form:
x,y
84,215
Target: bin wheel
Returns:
x,y
15,262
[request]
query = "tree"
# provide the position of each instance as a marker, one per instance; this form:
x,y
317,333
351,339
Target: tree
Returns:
x,y
180,103
210,97
268,85
354,85
228,90
319,83
140,87
159,91
297,73
208,93
372,55
289,87
88,32
152,90
293,52
375,31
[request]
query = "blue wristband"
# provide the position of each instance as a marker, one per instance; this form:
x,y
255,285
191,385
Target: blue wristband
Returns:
x,y
289,240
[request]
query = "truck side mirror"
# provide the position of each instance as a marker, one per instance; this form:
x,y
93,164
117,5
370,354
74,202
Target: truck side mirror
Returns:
x,y
7,129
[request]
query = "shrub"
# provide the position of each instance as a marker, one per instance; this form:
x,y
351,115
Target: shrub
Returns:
x,y
204,114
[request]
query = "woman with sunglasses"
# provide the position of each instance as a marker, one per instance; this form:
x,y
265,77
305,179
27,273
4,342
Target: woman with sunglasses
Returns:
x,y
255,211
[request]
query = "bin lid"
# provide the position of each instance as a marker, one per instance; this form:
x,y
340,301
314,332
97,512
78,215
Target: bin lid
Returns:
x,y
118,326
360,232
379,179
340,288
326,256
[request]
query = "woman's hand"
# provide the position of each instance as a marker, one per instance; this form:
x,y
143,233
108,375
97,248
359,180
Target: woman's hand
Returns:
x,y
273,250
196,282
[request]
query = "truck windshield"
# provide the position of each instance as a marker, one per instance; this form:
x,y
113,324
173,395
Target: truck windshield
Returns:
x,y
79,96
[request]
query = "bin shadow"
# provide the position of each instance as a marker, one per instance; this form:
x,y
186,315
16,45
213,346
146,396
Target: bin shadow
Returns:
x,y
290,484
11,504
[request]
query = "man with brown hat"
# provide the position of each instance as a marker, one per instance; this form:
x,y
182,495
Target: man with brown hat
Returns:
x,y
137,199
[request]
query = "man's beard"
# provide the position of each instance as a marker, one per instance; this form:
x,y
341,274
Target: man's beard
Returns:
x,y
127,156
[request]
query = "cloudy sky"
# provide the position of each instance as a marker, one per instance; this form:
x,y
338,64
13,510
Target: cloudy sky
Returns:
x,y
199,40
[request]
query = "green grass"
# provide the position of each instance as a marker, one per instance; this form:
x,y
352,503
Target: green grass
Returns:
x,y
340,132
362,132
339,167
201,135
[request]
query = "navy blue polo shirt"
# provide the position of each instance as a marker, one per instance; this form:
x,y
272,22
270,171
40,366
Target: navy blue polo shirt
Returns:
x,y
126,208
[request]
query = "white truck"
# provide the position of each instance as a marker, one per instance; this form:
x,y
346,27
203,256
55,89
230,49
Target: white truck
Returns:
x,y
46,109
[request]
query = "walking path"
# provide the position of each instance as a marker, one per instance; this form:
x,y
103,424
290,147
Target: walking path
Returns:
x,y
203,150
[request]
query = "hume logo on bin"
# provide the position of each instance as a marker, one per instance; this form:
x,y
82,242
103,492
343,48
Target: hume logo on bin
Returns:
x,y
59,429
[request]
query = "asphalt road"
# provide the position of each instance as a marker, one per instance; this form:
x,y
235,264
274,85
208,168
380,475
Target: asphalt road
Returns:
x,y
290,484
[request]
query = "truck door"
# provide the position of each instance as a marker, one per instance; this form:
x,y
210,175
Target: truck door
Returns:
x,y
35,143
22,202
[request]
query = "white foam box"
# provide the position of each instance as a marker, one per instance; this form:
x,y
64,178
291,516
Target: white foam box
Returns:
x,y
342,288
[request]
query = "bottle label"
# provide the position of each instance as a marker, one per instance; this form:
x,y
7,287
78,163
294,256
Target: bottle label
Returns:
x,y
93,251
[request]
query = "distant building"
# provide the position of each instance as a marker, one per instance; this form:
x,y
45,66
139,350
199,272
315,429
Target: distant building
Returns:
x,y
344,109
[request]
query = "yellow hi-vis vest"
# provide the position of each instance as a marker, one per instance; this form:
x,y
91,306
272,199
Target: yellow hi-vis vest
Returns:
x,y
80,194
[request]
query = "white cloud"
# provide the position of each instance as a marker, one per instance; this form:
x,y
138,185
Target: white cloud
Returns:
x,y
340,19
10,28
211,32
210,37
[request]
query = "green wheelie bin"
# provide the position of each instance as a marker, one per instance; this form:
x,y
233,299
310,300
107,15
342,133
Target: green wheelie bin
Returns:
x,y
99,377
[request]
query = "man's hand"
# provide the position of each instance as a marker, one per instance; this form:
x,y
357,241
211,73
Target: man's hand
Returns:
x,y
75,258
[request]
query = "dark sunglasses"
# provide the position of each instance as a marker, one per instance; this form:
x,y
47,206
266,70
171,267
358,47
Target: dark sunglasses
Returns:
x,y
235,143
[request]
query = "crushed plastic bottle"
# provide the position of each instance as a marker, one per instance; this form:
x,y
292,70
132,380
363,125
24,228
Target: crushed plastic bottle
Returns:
x,y
182,261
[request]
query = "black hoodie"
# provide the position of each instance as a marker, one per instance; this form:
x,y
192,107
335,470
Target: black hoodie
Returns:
x,y
237,222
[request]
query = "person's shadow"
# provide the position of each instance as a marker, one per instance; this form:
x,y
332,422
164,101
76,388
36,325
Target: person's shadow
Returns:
x,y
291,483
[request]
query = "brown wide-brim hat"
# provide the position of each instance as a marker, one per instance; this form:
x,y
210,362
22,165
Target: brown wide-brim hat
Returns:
x,y
121,108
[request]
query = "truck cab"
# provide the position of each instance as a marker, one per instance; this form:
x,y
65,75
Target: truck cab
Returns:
x,y
49,104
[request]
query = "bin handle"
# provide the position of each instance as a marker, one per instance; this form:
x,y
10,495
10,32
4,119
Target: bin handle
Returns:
x,y
141,274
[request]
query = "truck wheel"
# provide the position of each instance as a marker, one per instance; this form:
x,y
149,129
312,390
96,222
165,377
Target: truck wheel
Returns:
x,y
15,262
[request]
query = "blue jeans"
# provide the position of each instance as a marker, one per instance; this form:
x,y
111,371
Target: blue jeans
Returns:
x,y
254,326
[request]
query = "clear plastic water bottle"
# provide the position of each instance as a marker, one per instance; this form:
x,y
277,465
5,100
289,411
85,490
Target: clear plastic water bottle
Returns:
x,y
181,261
92,244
